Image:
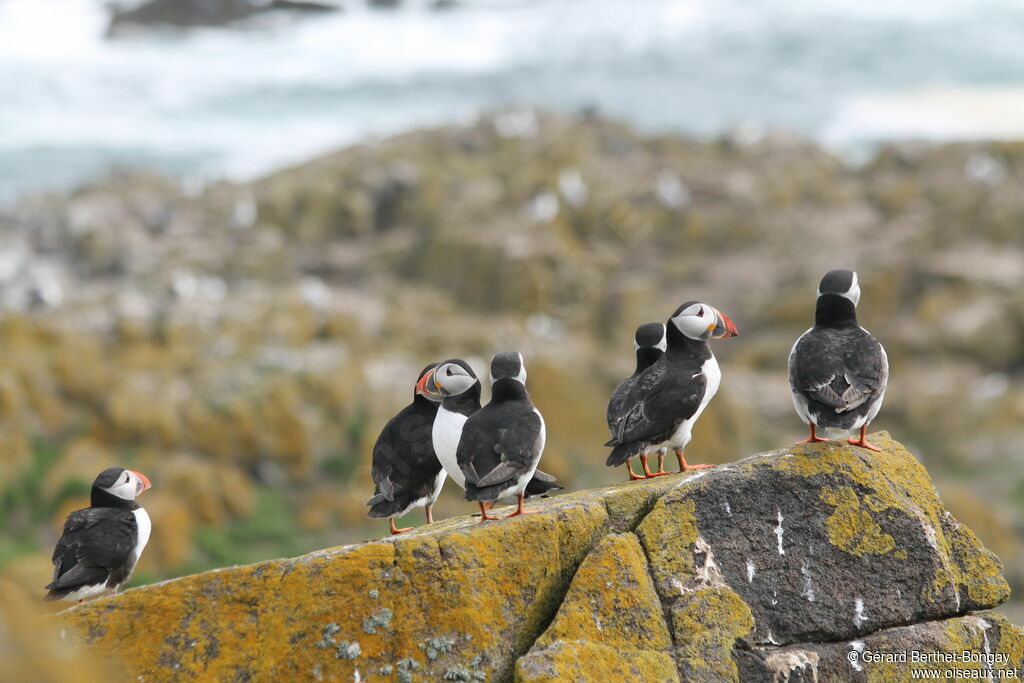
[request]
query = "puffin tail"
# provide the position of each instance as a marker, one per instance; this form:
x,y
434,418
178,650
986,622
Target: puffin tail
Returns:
x,y
388,508
538,486
622,453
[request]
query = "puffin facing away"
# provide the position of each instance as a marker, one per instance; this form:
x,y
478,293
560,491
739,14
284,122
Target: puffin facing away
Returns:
x,y
101,543
502,443
649,342
460,386
405,469
664,402
838,371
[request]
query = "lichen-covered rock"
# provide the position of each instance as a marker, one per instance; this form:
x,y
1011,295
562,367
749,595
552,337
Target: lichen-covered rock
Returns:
x,y
723,574
610,620
970,647
822,543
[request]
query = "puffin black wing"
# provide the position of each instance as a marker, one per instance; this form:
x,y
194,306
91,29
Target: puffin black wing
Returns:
x,y
664,396
404,467
618,406
498,446
96,543
838,371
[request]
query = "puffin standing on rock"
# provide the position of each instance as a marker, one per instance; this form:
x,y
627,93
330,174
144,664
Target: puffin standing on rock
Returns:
x,y
660,408
502,443
405,469
461,388
837,370
649,342
102,543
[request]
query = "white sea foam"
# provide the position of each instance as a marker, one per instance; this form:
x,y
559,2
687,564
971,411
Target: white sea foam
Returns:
x,y
242,102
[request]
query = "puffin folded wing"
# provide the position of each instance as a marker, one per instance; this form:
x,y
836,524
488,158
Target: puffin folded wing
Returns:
x,y
659,411
843,391
94,543
518,448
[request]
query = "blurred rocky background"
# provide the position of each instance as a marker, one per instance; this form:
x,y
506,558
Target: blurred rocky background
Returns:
x,y
243,344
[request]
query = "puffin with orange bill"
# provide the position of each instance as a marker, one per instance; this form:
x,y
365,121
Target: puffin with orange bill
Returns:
x,y
405,469
461,388
102,543
650,343
665,401
838,371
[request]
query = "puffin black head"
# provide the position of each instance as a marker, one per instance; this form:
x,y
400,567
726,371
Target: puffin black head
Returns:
x,y
117,487
425,386
838,296
698,321
453,377
650,336
508,365
842,283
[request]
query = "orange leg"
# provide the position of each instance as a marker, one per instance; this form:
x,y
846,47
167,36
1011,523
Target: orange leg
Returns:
x,y
483,513
395,530
519,508
683,467
430,513
632,475
813,438
862,442
661,463
647,471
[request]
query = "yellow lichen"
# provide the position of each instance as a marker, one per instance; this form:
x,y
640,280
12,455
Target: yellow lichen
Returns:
x,y
611,600
852,528
668,534
706,624
584,661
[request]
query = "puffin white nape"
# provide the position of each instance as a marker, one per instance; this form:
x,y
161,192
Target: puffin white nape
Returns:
x,y
508,365
841,282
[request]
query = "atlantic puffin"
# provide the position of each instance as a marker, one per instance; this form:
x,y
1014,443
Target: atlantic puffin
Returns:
x,y
664,402
101,544
405,470
837,370
461,389
649,343
502,443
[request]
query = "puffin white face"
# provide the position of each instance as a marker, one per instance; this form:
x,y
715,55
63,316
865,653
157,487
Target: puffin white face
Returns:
x,y
843,283
702,322
452,379
128,485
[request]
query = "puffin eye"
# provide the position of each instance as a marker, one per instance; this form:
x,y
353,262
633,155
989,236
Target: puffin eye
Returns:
x,y
449,372
700,312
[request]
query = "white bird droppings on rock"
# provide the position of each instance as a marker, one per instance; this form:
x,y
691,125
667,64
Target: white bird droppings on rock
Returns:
x,y
783,664
859,617
778,531
808,589
858,647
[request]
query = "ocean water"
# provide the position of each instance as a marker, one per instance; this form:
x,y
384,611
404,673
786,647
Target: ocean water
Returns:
x,y
241,102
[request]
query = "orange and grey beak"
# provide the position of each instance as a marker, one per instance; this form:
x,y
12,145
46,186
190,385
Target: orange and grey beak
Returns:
x,y
724,327
428,386
144,483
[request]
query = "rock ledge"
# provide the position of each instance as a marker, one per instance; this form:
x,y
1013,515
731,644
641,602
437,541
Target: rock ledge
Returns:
x,y
772,568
